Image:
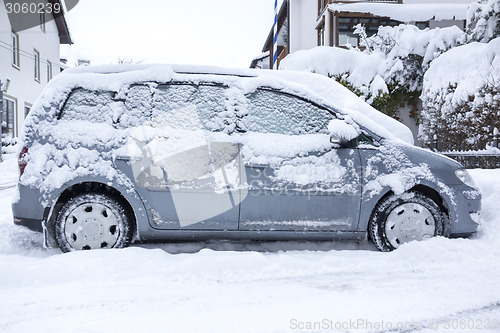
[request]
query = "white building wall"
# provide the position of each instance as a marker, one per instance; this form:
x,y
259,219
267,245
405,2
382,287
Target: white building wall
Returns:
x,y
303,14
23,88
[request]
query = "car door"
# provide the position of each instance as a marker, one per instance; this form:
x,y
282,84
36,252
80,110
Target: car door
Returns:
x,y
296,179
185,167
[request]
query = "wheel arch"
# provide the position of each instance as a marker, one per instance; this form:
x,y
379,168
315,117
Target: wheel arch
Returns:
x,y
422,195
434,196
421,188
130,199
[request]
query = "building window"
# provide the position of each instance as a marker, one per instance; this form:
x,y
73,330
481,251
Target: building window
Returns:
x,y
322,4
49,71
346,28
27,109
37,65
42,21
422,25
15,50
8,114
321,33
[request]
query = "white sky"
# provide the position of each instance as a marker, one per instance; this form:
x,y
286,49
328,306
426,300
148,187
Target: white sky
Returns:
x,y
203,32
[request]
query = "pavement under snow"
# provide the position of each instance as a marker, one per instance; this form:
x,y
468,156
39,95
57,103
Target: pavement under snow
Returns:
x,y
439,285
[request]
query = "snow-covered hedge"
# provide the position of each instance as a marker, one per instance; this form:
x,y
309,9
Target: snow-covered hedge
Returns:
x,y
461,96
457,83
389,70
483,20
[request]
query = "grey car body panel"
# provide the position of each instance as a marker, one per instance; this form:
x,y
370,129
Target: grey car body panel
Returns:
x,y
34,197
282,205
445,183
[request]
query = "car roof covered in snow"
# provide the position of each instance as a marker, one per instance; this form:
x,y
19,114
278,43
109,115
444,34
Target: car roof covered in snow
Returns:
x,y
314,87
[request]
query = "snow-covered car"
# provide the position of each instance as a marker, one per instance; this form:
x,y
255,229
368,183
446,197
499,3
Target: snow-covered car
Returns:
x,y
117,154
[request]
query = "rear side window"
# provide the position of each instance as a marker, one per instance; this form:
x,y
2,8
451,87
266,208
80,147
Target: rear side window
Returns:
x,y
190,107
281,113
94,106
137,106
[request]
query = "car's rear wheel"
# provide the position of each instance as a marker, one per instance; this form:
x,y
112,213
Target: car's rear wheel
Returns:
x,y
400,219
93,221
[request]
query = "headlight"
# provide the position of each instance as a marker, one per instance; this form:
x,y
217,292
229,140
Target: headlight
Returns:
x,y
465,177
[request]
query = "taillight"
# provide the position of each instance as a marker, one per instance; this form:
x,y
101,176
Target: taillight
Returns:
x,y
22,160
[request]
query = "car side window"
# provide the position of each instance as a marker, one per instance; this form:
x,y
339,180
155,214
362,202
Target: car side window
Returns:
x,y
189,107
137,106
276,112
94,106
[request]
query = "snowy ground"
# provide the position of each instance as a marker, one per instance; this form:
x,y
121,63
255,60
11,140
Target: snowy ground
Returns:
x,y
436,285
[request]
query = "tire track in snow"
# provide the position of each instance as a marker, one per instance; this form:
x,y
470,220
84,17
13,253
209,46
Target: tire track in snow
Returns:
x,y
7,186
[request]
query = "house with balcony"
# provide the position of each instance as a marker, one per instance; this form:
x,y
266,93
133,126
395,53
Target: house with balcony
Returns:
x,y
28,60
304,24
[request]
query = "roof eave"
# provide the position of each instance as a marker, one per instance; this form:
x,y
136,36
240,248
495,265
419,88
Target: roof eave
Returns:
x,y
62,25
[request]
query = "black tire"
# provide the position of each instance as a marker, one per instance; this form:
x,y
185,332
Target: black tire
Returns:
x,y
93,221
414,217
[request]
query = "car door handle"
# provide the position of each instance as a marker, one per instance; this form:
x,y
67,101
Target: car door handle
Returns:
x,y
123,158
258,166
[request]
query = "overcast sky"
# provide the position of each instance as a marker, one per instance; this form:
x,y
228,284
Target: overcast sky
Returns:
x,y
203,32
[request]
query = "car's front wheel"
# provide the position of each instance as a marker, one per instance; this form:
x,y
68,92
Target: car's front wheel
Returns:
x,y
404,218
93,221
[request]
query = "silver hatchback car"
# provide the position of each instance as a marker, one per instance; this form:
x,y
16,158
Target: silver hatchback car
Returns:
x,y
117,154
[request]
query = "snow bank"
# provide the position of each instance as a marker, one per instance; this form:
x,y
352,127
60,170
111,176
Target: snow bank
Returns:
x,y
261,287
361,67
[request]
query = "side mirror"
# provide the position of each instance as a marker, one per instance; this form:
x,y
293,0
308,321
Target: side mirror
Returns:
x,y
344,132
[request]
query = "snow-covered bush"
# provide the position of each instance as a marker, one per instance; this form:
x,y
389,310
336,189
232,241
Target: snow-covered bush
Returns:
x,y
483,20
409,52
389,71
457,83
461,90
461,96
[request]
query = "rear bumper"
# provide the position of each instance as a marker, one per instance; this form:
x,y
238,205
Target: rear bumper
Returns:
x,y
28,211
35,225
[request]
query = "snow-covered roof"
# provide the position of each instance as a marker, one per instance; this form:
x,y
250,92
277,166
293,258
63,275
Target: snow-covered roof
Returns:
x,y
314,87
262,55
407,12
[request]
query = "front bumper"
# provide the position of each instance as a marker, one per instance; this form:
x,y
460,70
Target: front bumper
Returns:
x,y
465,219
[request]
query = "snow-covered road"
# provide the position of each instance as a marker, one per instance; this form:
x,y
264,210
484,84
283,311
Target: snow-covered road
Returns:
x,y
443,284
